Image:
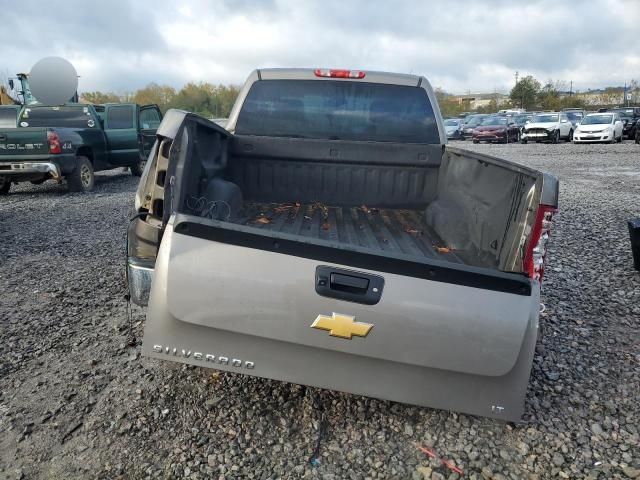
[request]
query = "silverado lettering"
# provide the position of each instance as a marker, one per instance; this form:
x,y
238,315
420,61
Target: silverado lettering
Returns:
x,y
234,362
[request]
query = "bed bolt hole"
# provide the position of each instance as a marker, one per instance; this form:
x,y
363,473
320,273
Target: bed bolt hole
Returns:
x,y
276,245
432,273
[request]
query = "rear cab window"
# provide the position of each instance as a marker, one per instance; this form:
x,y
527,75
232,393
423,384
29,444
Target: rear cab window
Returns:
x,y
8,118
120,117
338,110
62,116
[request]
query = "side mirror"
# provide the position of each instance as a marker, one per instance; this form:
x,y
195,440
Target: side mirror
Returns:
x,y
11,84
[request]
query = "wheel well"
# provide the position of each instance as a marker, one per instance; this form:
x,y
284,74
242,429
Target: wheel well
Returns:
x,y
85,152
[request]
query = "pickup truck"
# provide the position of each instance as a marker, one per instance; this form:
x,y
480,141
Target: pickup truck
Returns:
x,y
329,236
73,141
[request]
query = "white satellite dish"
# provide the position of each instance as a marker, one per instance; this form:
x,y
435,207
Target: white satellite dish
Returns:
x,y
53,81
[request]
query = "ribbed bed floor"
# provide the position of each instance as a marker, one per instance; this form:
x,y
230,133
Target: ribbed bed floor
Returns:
x,y
390,230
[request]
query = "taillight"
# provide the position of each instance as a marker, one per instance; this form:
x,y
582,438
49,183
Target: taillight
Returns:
x,y
537,246
326,72
54,142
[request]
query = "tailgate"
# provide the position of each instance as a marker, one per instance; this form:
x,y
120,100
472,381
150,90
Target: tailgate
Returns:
x,y
227,286
23,141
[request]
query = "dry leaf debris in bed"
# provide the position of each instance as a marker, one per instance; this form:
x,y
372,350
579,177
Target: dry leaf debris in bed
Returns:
x,y
413,231
368,210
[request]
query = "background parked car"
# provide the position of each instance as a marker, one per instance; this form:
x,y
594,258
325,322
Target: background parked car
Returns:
x,y
548,127
575,116
599,127
471,122
496,128
629,117
521,121
453,128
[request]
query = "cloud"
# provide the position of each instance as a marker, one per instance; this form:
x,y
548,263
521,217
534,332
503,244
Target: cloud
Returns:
x,y
461,46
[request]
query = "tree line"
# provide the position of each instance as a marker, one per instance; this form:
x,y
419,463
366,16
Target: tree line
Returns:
x,y
206,99
531,94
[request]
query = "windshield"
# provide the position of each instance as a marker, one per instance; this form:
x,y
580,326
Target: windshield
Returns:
x,y
623,112
8,117
576,116
494,121
474,121
451,123
545,118
521,119
596,119
338,110
67,116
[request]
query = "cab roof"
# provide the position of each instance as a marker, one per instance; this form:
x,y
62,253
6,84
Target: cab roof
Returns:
x,y
310,74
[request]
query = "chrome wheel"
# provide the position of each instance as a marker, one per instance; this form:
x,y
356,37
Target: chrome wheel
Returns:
x,y
85,176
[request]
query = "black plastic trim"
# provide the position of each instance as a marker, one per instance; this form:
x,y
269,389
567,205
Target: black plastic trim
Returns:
x,y
349,285
517,284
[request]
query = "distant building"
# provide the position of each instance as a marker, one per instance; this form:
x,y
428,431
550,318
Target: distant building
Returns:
x,y
605,97
473,101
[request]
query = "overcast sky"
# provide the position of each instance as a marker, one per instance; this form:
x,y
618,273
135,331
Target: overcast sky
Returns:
x,y
120,45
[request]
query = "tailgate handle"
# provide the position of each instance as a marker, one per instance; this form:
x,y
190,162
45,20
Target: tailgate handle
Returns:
x,y
348,285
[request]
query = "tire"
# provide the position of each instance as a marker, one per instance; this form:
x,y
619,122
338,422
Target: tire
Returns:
x,y
82,179
556,137
137,168
476,141
637,136
5,185
519,136
619,138
523,141
570,137
613,138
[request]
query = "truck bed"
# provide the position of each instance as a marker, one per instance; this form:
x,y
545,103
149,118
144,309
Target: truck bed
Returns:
x,y
397,231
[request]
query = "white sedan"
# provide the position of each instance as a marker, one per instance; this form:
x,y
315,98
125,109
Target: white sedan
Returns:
x,y
599,127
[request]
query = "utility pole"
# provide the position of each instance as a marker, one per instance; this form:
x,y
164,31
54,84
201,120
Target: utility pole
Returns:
x,y
571,89
516,75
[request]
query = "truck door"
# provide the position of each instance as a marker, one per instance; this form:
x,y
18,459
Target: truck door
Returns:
x,y
149,118
120,128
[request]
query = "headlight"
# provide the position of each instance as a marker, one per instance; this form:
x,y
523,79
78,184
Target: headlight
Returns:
x,y
551,129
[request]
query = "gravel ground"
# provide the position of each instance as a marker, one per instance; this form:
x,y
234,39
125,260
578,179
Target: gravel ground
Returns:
x,y
78,401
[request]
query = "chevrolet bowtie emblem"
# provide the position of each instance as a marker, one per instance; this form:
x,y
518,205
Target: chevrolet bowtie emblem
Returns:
x,y
342,326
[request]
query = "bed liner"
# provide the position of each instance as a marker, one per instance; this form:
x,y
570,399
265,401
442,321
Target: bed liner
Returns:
x,y
398,231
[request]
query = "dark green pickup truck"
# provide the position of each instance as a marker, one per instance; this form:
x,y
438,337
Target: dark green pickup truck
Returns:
x,y
73,141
